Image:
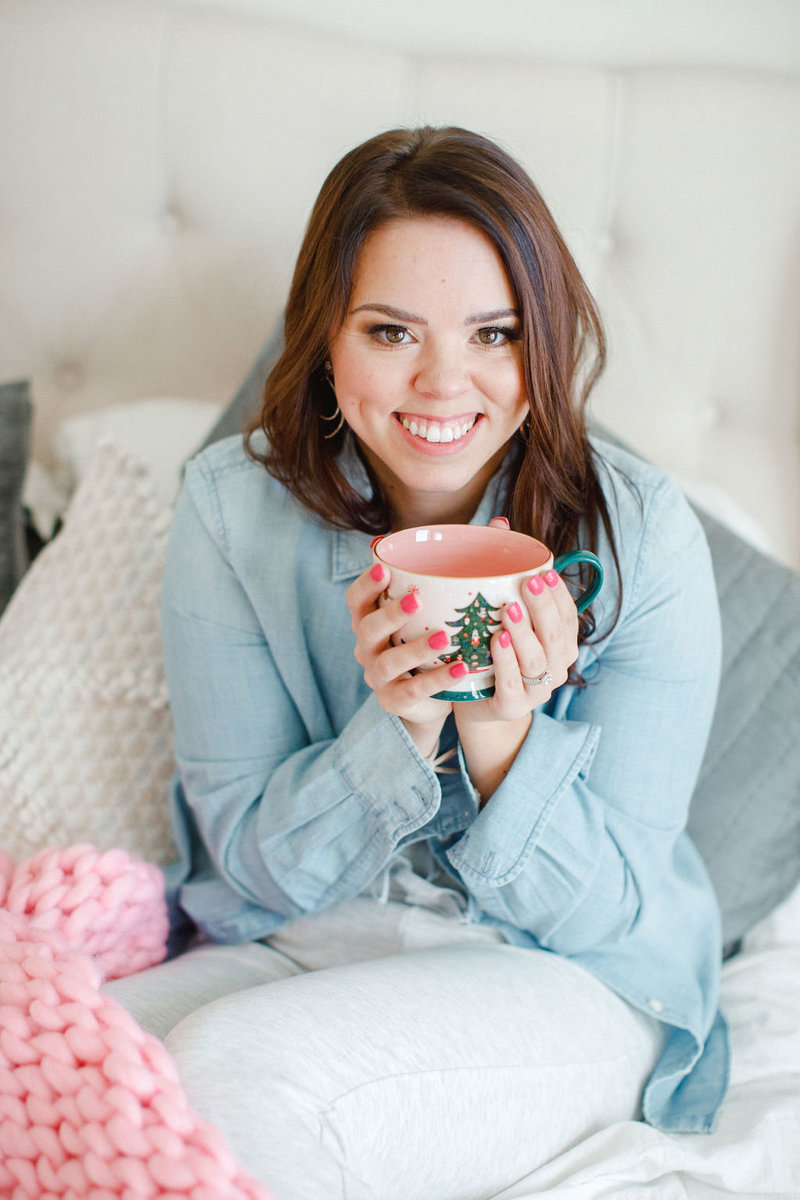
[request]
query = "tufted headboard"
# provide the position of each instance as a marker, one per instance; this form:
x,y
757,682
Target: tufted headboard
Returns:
x,y
159,160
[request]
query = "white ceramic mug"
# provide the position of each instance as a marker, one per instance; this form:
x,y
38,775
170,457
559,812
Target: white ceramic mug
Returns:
x,y
463,577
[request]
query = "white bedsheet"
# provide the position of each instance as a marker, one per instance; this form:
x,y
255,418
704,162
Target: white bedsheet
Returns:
x,y
755,1149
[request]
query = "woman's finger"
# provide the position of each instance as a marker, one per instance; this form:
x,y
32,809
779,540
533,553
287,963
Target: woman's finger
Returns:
x,y
382,624
554,619
364,592
527,640
394,661
563,597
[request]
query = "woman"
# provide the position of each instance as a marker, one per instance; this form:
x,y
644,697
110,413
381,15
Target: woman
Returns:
x,y
456,938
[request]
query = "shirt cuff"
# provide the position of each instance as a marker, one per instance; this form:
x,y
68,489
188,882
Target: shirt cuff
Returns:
x,y
501,839
379,761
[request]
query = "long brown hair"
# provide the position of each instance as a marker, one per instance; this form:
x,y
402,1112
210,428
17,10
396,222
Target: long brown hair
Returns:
x,y
444,172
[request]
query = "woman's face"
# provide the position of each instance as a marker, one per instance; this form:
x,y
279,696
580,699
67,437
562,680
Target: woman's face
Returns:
x,y
427,365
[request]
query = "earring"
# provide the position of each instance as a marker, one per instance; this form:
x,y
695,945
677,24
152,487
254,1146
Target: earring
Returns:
x,y
337,411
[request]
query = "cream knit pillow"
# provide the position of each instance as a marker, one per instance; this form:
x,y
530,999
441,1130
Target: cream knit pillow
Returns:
x,y
85,732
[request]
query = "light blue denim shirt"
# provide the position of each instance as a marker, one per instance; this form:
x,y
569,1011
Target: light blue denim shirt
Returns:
x,y
295,789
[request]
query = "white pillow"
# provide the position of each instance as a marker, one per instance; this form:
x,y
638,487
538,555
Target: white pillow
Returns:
x,y
161,433
85,730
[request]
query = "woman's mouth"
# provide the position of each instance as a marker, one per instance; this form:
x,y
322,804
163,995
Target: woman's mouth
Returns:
x,y
433,431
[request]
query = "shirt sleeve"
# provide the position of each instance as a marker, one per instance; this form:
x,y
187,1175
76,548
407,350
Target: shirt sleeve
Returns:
x,y
592,810
290,824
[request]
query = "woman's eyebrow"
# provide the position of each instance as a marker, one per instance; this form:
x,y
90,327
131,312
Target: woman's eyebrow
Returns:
x,y
399,314
496,314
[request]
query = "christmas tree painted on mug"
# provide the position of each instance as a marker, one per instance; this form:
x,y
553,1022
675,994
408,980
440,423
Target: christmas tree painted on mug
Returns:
x,y
474,631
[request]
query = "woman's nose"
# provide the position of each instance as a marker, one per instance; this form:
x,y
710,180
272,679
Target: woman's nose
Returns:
x,y
442,372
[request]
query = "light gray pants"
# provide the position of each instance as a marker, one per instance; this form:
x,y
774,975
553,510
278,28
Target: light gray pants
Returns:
x,y
387,1052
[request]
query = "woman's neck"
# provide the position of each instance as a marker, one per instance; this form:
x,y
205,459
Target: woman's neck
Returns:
x,y
410,507
432,510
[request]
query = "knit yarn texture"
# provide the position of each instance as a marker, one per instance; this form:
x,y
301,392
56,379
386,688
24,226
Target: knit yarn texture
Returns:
x,y
90,1105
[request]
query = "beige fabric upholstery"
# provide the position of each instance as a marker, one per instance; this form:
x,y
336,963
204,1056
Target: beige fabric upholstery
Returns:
x,y
159,160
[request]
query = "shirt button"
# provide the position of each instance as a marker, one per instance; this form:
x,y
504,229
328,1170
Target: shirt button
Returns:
x,y
656,1005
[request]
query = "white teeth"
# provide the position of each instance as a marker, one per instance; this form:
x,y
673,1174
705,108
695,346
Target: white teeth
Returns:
x,y
436,433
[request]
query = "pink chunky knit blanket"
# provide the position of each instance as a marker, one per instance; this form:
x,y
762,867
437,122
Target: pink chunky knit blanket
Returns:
x,y
91,1105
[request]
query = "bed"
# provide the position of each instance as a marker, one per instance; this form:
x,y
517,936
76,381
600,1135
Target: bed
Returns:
x,y
160,158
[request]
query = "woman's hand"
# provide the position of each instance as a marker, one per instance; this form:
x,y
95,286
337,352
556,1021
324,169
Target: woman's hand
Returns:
x,y
388,669
538,638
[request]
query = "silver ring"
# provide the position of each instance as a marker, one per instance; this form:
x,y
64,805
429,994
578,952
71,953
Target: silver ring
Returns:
x,y
540,681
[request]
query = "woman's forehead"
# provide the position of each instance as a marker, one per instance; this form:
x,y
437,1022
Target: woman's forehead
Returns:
x,y
430,257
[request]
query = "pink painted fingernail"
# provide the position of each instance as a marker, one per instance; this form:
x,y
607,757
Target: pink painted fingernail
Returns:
x,y
409,603
505,521
535,585
438,641
515,612
458,670
376,573
551,577
505,638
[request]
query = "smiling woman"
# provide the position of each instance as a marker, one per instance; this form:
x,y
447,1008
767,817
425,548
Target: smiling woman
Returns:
x,y
478,931
459,194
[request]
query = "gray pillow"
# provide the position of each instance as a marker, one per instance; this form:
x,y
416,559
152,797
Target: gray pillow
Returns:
x,y
15,436
745,812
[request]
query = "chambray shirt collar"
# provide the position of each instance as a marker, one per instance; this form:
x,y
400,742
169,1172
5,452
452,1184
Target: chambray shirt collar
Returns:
x,y
351,548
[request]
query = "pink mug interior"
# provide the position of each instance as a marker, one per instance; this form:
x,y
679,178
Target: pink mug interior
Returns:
x,y
461,551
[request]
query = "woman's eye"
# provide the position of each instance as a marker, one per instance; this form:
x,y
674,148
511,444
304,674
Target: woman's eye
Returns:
x,y
496,335
390,335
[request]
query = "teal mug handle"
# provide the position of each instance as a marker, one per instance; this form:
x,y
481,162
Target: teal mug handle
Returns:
x,y
579,556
